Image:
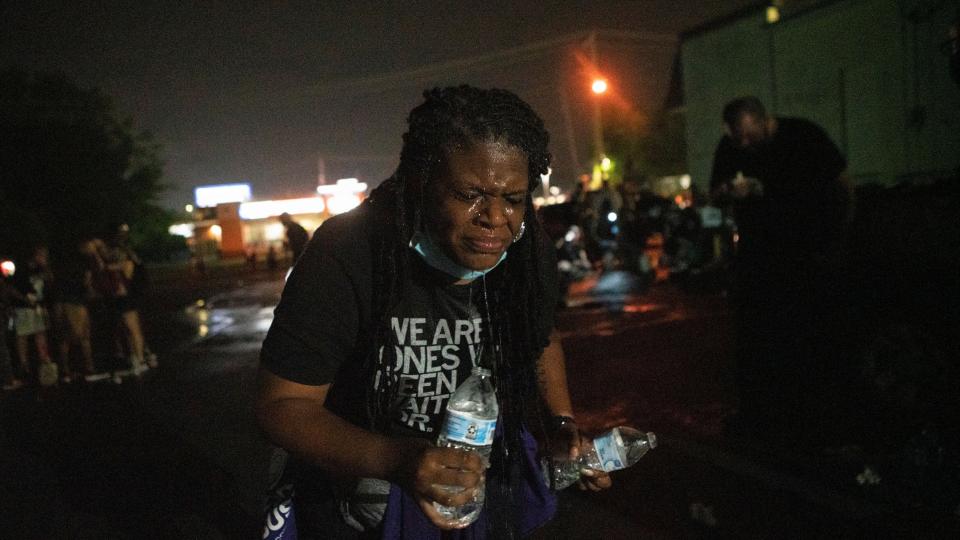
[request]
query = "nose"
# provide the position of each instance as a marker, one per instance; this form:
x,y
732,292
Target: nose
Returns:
x,y
494,212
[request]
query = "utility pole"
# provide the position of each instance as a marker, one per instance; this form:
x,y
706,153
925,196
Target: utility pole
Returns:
x,y
591,45
568,125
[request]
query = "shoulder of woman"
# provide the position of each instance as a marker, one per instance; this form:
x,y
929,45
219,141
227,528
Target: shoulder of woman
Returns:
x,y
345,232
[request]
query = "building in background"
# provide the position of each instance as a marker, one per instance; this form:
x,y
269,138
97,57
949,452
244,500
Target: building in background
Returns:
x,y
873,73
227,223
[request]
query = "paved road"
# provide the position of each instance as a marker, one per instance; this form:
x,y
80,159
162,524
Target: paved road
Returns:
x,y
176,454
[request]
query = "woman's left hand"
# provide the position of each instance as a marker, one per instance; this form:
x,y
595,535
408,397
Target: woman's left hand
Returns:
x,y
570,438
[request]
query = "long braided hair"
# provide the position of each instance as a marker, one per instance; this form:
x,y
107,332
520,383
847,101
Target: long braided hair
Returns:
x,y
448,119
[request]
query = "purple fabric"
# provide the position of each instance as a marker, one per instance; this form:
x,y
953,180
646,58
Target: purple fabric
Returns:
x,y
281,523
405,521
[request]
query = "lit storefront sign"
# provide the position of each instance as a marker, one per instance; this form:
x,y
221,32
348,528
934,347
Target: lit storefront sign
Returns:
x,y
210,196
343,196
267,209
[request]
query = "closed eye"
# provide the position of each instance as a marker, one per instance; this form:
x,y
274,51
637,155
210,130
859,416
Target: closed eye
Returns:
x,y
467,195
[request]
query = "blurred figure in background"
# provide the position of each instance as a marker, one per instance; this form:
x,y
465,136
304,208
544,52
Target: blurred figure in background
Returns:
x,y
123,296
787,183
572,261
297,237
7,376
272,257
30,315
76,291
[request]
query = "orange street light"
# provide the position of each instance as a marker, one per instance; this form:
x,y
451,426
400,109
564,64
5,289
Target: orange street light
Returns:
x,y
599,86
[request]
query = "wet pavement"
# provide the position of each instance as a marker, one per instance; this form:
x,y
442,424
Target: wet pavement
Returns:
x,y
176,454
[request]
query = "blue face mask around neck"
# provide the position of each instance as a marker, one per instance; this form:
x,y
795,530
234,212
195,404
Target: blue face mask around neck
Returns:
x,y
433,255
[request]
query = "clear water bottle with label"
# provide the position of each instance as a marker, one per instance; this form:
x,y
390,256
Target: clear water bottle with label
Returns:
x,y
616,449
470,424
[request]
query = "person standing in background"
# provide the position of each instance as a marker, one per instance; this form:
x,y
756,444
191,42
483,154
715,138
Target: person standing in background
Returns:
x,y
297,237
7,375
787,184
30,314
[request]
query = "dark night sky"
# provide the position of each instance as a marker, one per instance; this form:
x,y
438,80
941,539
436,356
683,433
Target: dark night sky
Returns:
x,y
244,91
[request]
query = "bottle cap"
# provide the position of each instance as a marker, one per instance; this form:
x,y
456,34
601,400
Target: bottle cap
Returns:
x,y
478,370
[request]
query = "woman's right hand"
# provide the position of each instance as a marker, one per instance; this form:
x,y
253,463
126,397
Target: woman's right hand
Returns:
x,y
425,470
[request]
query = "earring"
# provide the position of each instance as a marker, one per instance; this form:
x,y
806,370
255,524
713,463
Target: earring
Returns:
x,y
523,229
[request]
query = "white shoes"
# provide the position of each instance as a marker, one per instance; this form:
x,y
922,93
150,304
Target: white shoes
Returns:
x,y
96,377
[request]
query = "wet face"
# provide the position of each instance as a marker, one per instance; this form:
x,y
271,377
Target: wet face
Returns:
x,y
750,131
475,205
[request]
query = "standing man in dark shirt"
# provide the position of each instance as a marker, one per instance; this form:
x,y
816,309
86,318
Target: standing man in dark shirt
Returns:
x,y
786,181
297,236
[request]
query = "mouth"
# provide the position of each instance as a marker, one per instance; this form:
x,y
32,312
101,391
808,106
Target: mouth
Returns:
x,y
486,246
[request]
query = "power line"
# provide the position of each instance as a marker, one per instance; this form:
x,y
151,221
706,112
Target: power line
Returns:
x,y
386,81
440,70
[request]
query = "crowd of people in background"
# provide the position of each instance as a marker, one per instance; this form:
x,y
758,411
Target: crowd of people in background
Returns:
x,y
52,310
630,228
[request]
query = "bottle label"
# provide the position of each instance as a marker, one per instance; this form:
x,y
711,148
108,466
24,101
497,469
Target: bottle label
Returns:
x,y
608,450
469,429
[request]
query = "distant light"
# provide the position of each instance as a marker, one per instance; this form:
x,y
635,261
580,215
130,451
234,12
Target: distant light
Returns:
x,y
344,202
597,178
685,181
605,164
554,190
611,217
182,229
570,236
561,198
539,201
8,268
266,209
551,200
344,185
188,208
599,86
773,14
274,231
207,196
216,231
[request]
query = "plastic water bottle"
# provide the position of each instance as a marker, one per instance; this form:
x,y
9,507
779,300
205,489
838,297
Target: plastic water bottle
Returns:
x,y
470,423
616,449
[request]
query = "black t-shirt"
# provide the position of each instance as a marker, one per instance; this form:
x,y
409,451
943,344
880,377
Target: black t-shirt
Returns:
x,y
321,328
798,167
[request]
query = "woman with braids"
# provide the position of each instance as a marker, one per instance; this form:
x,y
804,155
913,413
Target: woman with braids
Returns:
x,y
387,311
